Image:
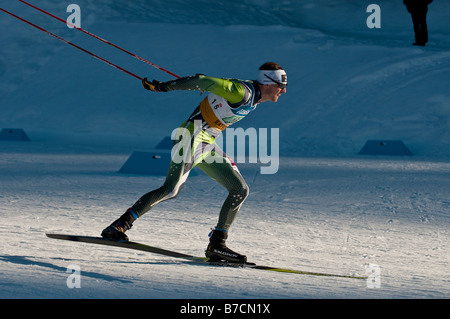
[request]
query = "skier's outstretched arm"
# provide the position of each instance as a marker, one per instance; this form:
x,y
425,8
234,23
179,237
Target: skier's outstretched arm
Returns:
x,y
232,90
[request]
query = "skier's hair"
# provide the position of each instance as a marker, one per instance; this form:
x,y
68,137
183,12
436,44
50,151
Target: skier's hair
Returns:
x,y
270,66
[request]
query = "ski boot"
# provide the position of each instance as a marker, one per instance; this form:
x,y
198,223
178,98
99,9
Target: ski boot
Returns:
x,y
116,231
218,251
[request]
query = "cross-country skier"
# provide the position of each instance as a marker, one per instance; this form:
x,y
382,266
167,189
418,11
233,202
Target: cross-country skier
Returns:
x,y
229,101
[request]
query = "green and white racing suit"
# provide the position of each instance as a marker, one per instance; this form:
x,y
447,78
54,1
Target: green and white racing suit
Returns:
x,y
229,101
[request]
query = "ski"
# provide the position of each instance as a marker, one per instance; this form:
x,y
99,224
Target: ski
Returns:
x,y
191,258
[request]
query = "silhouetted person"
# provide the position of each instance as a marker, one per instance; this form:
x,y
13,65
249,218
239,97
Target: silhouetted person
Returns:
x,y
418,10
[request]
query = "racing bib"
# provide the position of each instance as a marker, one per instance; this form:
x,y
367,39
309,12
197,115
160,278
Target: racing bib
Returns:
x,y
218,113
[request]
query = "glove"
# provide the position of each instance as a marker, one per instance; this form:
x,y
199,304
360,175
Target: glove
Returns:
x,y
154,86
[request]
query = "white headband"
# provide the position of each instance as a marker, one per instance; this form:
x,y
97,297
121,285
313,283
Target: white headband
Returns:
x,y
272,77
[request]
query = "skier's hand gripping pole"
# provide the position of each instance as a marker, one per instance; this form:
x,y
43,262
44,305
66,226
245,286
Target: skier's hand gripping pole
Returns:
x,y
154,86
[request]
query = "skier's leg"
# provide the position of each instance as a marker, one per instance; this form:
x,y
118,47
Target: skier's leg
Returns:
x,y
227,174
176,176
224,171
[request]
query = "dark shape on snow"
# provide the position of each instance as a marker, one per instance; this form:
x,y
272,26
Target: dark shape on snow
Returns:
x,y
385,147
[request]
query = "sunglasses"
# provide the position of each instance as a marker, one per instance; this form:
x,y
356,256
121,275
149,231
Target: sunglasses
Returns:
x,y
280,85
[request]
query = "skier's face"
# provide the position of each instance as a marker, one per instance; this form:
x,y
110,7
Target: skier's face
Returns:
x,y
271,92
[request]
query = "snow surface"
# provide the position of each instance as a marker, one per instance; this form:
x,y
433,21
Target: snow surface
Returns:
x,y
325,210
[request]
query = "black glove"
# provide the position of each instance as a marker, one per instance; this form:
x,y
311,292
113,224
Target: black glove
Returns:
x,y
154,86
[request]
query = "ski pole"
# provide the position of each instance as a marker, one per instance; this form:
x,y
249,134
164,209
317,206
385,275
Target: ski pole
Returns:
x,y
103,40
73,44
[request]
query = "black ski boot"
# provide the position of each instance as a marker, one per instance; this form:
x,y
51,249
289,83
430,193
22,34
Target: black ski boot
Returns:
x,y
217,250
116,231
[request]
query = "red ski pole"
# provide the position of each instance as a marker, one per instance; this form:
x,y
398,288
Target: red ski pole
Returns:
x,y
103,40
72,44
